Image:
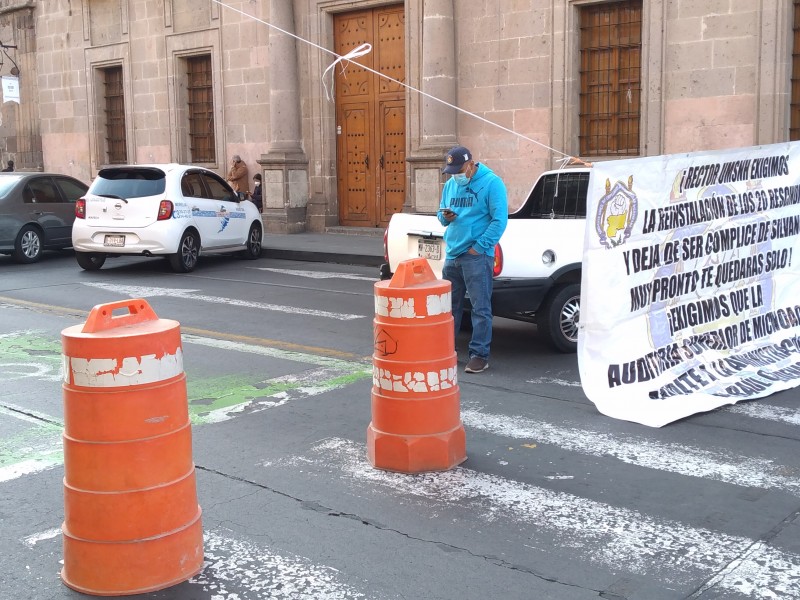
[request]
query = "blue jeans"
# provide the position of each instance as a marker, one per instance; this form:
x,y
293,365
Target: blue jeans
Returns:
x,y
472,273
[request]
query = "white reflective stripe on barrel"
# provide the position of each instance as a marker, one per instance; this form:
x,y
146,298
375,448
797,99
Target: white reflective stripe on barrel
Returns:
x,y
403,308
431,381
108,372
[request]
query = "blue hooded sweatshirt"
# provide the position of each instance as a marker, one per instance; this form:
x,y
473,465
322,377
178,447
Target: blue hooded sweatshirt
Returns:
x,y
481,209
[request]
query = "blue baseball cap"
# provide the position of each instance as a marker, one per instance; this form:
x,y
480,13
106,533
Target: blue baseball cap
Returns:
x,y
456,159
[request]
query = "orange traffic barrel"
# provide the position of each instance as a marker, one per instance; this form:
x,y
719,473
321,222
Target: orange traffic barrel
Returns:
x,y
131,519
416,417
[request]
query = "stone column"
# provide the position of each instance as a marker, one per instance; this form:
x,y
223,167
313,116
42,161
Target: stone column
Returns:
x,y
284,166
438,74
438,121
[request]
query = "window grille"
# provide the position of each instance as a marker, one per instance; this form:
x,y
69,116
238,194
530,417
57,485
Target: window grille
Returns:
x,y
201,109
116,139
610,76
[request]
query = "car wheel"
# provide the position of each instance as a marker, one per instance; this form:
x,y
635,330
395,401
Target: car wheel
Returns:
x,y
185,259
28,245
253,250
90,261
559,317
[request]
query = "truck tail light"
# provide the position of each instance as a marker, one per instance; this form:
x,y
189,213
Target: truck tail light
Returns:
x,y
498,261
165,210
80,209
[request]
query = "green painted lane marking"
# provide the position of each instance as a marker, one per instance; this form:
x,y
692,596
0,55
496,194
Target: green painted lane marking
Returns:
x,y
217,399
24,354
30,355
35,448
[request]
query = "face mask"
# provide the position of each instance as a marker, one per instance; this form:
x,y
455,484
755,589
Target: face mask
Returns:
x,y
461,179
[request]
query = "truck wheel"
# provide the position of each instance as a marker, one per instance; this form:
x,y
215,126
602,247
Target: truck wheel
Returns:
x,y
559,317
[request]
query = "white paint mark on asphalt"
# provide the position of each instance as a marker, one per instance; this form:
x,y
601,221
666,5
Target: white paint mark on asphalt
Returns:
x,y
34,539
33,450
756,410
302,357
149,292
619,538
28,370
239,570
26,414
316,274
553,381
34,465
719,465
763,572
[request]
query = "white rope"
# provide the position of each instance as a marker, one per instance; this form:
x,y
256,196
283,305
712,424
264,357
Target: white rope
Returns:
x,y
361,50
566,157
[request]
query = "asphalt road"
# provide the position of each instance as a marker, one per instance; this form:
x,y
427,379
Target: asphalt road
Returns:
x,y
554,500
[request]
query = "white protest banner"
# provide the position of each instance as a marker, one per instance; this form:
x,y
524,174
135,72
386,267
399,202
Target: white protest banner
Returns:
x,y
690,297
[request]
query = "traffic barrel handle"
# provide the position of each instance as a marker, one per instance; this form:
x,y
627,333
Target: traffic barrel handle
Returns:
x,y
412,272
101,317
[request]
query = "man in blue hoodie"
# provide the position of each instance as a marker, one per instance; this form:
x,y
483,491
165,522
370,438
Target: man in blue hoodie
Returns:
x,y
474,210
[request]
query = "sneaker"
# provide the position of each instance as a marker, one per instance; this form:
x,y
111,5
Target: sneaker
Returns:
x,y
476,365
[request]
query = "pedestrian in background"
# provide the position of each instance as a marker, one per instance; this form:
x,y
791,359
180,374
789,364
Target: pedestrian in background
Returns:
x,y
474,210
9,168
255,196
237,176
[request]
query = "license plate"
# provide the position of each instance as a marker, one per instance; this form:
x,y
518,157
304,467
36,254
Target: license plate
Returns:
x,y
430,249
118,241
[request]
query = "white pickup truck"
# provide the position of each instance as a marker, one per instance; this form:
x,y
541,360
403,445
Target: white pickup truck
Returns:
x,y
537,273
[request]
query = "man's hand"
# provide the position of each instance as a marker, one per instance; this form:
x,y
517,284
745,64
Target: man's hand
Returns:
x,y
448,215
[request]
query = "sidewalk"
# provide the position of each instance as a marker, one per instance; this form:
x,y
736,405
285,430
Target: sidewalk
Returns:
x,y
342,245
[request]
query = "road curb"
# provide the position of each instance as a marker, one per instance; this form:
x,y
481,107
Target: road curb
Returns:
x,y
324,257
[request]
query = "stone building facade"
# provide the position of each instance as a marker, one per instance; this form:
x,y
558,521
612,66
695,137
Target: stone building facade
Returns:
x,y
351,148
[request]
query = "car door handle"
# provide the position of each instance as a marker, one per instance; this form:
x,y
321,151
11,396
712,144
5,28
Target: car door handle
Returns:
x,y
38,213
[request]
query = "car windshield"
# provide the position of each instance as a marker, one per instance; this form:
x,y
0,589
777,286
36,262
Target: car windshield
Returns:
x,y
6,183
129,183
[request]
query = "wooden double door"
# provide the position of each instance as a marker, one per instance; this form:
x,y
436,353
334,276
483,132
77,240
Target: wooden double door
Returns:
x,y
371,117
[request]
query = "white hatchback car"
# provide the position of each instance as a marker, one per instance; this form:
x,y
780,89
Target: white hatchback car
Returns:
x,y
176,211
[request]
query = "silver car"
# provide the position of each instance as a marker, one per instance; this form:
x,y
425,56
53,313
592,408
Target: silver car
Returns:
x,y
36,213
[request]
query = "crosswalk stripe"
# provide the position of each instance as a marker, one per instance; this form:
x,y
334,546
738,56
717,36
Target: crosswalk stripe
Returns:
x,y
718,465
757,410
316,274
620,538
138,291
236,568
